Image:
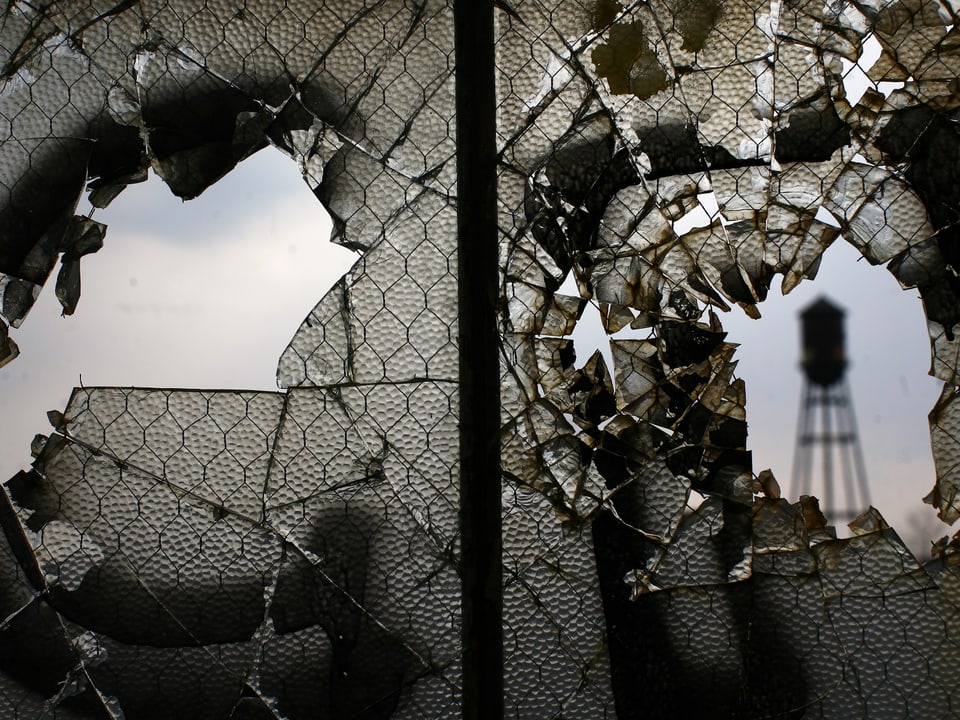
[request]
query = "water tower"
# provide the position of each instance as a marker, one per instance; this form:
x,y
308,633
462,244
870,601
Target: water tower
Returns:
x,y
828,448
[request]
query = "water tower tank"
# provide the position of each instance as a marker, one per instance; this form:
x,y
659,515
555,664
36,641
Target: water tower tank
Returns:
x,y
824,358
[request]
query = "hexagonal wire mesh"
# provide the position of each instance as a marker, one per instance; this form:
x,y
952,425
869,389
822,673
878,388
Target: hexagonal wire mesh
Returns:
x,y
227,554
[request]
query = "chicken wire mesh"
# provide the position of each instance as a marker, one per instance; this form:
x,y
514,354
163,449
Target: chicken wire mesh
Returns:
x,y
296,554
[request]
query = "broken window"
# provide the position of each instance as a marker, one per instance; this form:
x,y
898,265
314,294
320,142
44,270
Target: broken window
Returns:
x,y
228,553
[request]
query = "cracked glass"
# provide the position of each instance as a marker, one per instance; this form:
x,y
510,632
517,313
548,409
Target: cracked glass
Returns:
x,y
247,554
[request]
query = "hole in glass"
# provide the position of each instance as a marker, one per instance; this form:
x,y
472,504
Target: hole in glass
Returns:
x,y
888,362
202,294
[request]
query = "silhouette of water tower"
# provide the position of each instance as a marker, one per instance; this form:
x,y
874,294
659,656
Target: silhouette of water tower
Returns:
x,y
827,428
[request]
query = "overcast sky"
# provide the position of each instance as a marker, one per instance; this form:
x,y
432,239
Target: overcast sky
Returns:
x,y
206,294
203,294
889,361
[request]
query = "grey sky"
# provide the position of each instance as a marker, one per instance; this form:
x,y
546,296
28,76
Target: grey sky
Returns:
x,y
889,359
204,294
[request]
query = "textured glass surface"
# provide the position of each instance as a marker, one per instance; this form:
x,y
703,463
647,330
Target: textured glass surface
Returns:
x,y
295,554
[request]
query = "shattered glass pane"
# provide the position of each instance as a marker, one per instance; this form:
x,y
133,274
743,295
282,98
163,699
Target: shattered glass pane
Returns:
x,y
288,554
